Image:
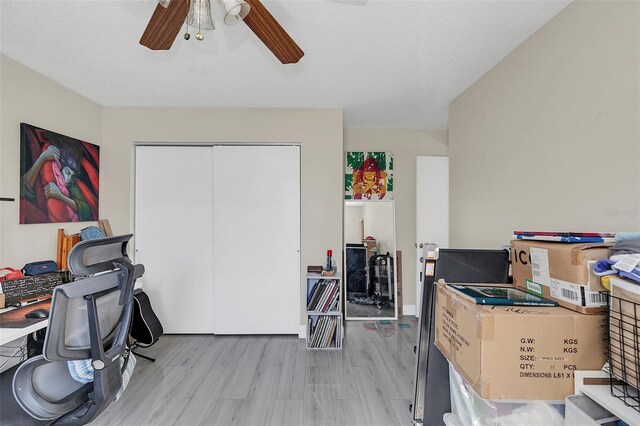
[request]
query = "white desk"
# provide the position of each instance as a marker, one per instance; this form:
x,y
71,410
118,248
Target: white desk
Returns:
x,y
10,334
602,395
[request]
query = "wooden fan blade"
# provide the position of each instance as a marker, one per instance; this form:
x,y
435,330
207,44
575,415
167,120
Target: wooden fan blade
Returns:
x,y
164,25
265,26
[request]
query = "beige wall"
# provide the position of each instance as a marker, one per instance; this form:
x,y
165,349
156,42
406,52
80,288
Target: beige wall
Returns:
x,y
32,98
28,97
318,131
405,145
549,139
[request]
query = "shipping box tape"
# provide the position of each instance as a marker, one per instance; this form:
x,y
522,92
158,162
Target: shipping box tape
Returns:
x,y
624,329
561,272
517,353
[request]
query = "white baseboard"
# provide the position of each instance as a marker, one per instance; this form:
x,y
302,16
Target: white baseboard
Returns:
x,y
408,309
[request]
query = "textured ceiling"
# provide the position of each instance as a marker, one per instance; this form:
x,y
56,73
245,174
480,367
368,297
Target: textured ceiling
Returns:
x,y
388,63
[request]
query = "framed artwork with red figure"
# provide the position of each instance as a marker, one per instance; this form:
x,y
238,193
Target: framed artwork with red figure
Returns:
x,y
368,176
59,177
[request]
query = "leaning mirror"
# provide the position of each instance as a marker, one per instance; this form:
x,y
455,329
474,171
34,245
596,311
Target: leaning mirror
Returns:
x,y
370,249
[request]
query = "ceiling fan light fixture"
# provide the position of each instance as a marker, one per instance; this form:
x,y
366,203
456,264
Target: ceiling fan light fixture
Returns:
x,y
200,15
234,10
164,3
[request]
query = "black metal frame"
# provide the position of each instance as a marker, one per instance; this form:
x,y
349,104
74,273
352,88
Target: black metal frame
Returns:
x,y
624,343
432,368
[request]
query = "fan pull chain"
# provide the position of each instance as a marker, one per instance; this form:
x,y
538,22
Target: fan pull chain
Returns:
x,y
199,35
187,36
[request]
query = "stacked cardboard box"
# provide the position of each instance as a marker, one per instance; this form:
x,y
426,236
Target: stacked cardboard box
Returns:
x,y
372,246
517,353
561,272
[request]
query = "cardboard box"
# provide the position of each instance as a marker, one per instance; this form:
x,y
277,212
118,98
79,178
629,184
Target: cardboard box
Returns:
x,y
561,272
517,353
372,247
624,331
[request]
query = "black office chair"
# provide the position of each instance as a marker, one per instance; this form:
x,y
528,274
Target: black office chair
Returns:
x,y
89,319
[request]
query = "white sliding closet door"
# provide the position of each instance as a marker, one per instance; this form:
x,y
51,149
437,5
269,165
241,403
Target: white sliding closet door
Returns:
x,y
256,239
173,234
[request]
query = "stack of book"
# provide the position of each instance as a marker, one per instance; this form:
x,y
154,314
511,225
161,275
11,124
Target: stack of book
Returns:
x,y
496,295
324,296
314,269
565,237
323,332
65,244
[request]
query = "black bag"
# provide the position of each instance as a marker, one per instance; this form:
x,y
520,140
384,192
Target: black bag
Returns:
x,y
35,342
39,268
145,327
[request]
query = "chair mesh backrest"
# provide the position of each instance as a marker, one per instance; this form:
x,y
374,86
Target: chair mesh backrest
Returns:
x,y
96,256
68,333
106,277
76,334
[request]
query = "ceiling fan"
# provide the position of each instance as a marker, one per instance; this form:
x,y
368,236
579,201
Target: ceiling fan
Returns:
x,y
170,15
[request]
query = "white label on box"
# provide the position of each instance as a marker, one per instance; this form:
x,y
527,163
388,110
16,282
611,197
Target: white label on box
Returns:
x,y
534,288
575,294
554,358
540,266
595,299
566,291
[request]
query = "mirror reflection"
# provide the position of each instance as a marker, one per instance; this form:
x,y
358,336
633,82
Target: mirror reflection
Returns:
x,y
370,246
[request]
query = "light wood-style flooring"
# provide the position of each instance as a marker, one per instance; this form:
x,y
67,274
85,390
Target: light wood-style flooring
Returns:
x,y
273,380
354,310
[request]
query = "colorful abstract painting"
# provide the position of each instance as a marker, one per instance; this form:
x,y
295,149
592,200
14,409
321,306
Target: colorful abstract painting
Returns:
x,y
368,176
59,177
